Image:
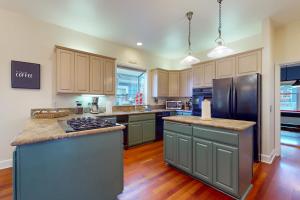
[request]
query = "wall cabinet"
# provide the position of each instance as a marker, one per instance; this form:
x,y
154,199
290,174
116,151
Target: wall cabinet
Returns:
x,y
65,72
160,83
186,83
96,75
190,83
249,63
225,68
173,84
203,74
80,72
141,129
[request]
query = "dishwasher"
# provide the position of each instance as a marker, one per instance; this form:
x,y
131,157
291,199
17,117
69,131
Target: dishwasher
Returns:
x,y
123,119
159,132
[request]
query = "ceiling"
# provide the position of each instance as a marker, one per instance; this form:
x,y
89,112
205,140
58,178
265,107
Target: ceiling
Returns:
x,y
160,24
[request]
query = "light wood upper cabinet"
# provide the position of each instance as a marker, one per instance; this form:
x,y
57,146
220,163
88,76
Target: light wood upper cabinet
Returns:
x,y
96,75
203,74
198,75
249,63
186,83
173,84
160,83
209,73
65,71
183,83
109,77
225,68
190,83
82,73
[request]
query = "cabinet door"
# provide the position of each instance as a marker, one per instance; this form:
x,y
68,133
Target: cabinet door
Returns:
x,y
96,75
190,83
202,160
65,71
163,83
249,63
183,84
148,130
209,73
225,168
170,147
135,133
109,77
225,68
173,84
184,152
198,76
82,73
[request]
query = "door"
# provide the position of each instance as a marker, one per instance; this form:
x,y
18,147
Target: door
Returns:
x,y
173,84
198,76
170,151
65,71
148,130
202,159
183,83
184,152
163,83
225,68
225,168
249,63
209,73
190,83
135,133
109,77
82,73
96,75
222,98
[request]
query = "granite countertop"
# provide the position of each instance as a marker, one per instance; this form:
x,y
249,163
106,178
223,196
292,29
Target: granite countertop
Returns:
x,y
236,125
41,130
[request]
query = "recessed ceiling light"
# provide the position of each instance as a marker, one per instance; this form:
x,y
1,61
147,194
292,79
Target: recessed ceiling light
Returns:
x,y
139,44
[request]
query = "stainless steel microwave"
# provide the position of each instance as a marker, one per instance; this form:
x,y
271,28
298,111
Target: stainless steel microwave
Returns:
x,y
173,105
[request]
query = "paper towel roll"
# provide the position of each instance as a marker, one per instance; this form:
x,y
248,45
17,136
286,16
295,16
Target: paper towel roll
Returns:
x,y
206,110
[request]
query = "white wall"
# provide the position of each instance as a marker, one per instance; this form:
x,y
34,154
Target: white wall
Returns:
x,y
25,39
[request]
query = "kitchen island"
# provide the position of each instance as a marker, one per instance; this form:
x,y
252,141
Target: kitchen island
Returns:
x,y
52,164
217,152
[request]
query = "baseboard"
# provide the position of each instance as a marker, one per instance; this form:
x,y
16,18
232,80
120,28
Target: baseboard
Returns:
x,y
268,158
5,164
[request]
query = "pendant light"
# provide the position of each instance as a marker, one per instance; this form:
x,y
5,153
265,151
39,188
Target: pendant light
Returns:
x,y
220,50
189,60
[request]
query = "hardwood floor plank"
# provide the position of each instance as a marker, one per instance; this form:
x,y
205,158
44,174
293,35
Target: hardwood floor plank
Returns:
x,y
148,177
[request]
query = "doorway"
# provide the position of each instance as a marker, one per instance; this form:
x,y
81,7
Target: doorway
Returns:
x,y
289,105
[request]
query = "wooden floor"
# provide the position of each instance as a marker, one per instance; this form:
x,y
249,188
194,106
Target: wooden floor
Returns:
x,y
148,177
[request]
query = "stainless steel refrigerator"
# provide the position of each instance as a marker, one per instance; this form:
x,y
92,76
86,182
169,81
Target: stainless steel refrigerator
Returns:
x,y
240,98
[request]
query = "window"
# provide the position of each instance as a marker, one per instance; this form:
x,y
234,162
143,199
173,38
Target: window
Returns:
x,y
130,83
288,97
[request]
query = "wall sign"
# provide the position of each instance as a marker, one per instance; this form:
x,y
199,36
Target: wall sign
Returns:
x,y
25,75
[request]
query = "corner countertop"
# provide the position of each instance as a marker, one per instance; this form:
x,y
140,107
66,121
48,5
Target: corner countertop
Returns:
x,y
41,130
236,125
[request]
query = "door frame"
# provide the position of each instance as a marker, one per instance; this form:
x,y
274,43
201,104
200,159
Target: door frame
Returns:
x,y
277,103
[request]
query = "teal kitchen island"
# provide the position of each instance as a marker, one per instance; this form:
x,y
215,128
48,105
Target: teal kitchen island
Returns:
x,y
217,152
50,164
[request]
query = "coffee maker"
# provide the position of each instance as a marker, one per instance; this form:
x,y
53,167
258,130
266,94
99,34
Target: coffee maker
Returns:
x,y
95,107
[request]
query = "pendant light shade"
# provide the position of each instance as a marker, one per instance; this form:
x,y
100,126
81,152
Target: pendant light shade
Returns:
x,y
189,60
220,50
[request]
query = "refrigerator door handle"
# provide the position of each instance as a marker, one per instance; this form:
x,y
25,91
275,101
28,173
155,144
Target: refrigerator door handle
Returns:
x,y
234,99
229,100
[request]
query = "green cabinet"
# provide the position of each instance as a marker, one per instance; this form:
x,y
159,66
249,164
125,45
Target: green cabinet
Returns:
x,y
141,129
184,152
148,130
170,147
202,160
225,168
135,133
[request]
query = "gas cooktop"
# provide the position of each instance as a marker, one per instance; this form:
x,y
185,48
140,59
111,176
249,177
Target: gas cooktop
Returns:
x,y
86,123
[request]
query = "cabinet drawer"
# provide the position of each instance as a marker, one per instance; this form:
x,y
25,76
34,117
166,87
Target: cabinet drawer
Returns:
x,y
142,117
216,135
178,128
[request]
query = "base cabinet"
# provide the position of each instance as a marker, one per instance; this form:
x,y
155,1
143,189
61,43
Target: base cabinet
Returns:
x,y
202,160
141,129
219,157
225,167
